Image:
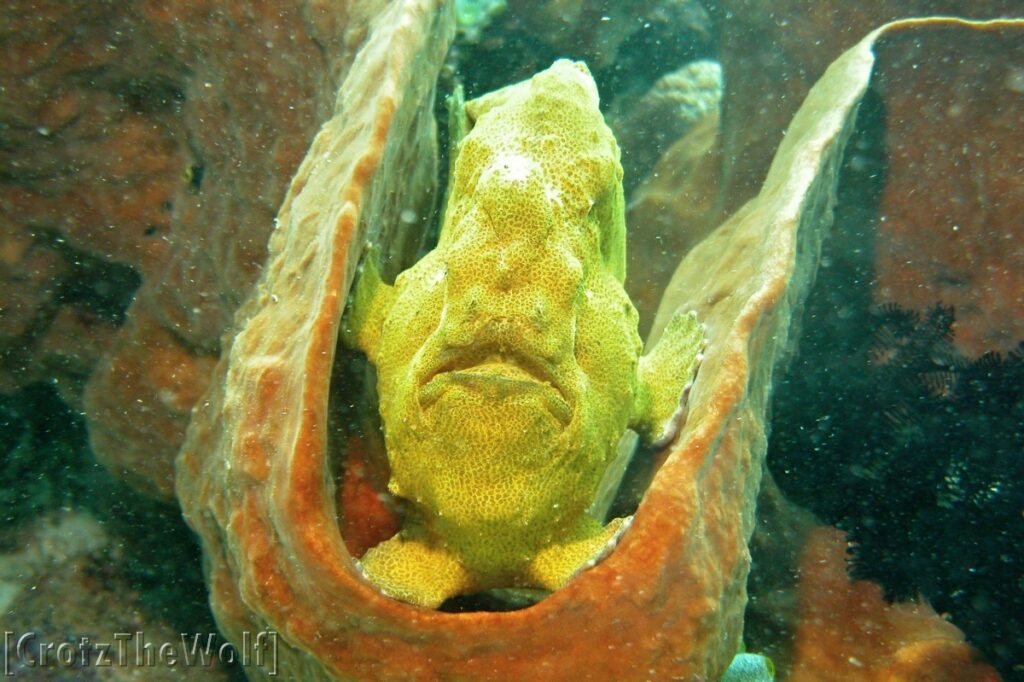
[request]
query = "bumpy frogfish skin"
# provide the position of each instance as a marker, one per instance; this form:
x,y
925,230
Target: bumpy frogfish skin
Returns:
x,y
508,359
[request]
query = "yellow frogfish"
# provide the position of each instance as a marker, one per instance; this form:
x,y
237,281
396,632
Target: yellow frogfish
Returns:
x,y
508,359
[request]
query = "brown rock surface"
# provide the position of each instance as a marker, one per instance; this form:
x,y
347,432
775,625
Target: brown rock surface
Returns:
x,y
950,229
773,53
848,631
816,622
159,136
87,167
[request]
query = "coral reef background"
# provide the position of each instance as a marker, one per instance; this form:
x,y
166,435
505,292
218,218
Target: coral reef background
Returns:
x,y
126,131
81,555
882,427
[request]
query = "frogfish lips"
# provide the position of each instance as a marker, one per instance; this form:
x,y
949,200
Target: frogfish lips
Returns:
x,y
498,378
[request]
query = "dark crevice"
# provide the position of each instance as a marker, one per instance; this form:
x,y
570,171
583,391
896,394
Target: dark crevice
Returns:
x,y
881,428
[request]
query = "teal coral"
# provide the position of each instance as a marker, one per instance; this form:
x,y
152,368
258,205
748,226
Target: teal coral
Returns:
x,y
750,668
472,16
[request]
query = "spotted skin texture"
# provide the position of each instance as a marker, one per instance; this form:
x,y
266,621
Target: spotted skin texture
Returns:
x,y
508,359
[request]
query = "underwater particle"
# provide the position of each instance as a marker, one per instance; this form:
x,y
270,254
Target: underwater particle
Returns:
x,y
1015,79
